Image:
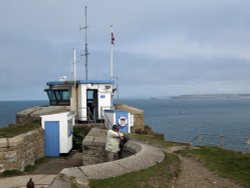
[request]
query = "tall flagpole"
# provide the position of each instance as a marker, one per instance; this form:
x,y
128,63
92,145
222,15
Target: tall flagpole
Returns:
x,y
112,53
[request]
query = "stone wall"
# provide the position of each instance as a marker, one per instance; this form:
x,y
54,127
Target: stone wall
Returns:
x,y
34,113
93,155
93,148
22,150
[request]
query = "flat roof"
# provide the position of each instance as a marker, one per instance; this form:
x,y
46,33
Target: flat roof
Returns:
x,y
81,82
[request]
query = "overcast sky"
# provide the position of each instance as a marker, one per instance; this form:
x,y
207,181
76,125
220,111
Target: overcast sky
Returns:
x,y
162,47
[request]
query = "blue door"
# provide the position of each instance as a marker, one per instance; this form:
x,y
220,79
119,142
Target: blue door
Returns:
x,y
122,120
51,138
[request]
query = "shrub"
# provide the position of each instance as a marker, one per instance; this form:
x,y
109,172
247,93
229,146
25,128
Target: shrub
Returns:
x,y
13,172
17,129
29,168
79,133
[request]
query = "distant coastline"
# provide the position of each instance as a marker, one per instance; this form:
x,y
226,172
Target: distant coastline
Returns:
x,y
213,96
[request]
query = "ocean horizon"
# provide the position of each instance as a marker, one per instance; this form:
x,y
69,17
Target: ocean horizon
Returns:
x,y
8,109
178,119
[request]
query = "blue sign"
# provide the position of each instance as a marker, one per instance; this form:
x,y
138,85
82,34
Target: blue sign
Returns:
x,y
122,120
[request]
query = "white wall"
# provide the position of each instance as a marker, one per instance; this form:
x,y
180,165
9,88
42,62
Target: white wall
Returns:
x,y
65,141
82,102
104,99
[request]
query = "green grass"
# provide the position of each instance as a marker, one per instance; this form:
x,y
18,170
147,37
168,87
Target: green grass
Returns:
x,y
32,168
41,160
157,140
79,133
159,175
228,164
13,172
17,129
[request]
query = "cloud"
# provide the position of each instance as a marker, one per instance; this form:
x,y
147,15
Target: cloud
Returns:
x,y
162,47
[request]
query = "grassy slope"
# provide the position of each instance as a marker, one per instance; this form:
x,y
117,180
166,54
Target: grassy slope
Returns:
x,y
229,164
15,130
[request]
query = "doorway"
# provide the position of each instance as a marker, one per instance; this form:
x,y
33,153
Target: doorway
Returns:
x,y
92,105
51,135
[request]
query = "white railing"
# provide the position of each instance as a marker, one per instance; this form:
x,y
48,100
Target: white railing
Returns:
x,y
229,142
108,124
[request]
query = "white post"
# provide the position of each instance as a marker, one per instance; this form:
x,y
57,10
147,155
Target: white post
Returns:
x,y
74,66
73,100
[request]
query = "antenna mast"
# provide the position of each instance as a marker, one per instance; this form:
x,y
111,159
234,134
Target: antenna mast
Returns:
x,y
112,53
86,53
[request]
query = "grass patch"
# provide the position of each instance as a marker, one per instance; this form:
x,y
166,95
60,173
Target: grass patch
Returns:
x,y
79,134
229,164
17,129
156,139
32,168
159,175
41,161
13,172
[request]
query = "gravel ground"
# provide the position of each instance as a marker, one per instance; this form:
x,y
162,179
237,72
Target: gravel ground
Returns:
x,y
55,165
195,175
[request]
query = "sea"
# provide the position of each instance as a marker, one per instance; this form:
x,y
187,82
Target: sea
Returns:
x,y
207,121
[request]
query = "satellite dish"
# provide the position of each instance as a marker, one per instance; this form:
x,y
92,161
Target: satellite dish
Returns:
x,y
62,78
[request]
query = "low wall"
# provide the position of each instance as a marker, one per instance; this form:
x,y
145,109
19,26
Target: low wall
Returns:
x,y
34,113
144,156
93,155
22,150
93,147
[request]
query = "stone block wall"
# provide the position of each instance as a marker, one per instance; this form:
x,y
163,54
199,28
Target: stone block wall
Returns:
x,y
93,148
93,155
22,150
138,123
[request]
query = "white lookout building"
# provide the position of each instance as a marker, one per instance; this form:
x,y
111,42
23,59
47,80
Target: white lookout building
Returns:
x,y
86,98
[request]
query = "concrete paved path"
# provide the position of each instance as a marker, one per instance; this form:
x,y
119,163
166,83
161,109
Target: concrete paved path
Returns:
x,y
41,181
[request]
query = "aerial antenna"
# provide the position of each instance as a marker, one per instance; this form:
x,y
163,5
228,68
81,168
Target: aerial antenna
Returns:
x,y
86,53
112,53
112,77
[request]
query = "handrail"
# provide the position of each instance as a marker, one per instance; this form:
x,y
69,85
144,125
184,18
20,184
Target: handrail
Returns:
x,y
107,122
90,116
195,138
237,142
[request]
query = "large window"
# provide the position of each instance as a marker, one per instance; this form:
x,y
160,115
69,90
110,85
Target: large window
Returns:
x,y
58,97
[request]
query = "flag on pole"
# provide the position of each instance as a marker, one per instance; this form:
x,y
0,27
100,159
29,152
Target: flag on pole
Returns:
x,y
112,38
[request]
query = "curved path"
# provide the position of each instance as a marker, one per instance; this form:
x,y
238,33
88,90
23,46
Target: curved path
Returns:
x,y
194,174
